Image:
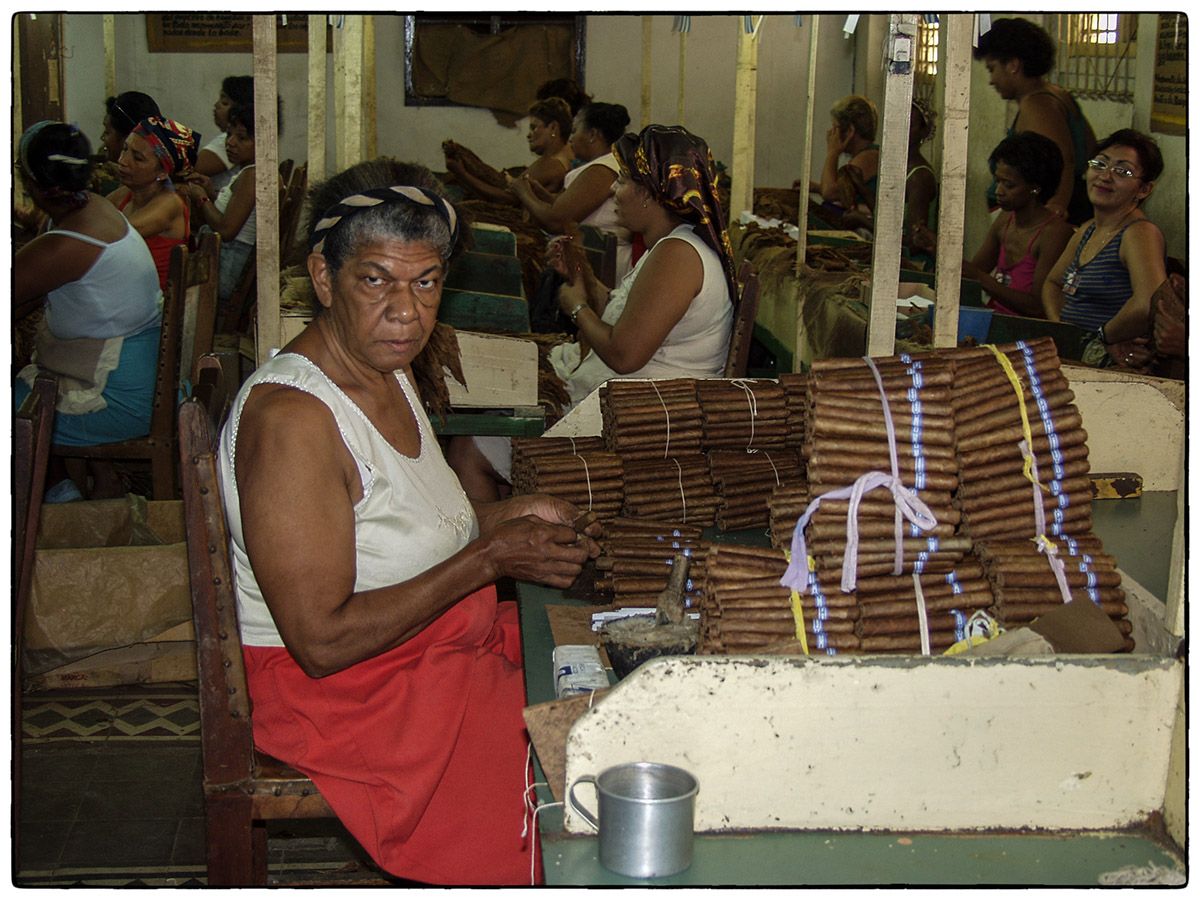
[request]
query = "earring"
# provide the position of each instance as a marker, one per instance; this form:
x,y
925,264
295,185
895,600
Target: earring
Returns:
x,y
1035,191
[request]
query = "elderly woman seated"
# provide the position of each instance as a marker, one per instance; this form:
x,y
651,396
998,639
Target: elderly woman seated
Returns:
x,y
669,318
379,661
103,304
1105,278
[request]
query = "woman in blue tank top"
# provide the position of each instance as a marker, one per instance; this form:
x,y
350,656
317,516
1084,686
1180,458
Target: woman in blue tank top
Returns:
x,y
1107,274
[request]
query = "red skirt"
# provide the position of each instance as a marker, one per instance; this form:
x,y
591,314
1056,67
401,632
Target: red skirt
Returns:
x,y
421,751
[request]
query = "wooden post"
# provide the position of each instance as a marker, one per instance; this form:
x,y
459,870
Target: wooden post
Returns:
x,y
952,191
745,101
682,76
889,199
370,106
814,24
17,124
647,66
347,88
110,55
316,98
266,186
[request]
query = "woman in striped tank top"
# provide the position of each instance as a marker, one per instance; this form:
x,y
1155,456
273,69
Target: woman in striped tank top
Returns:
x,y
1110,269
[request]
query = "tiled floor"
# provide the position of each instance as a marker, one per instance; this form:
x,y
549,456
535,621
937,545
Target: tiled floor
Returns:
x,y
99,806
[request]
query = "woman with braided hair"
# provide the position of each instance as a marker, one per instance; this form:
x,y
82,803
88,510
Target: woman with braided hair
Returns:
x,y
103,304
158,153
383,666
670,317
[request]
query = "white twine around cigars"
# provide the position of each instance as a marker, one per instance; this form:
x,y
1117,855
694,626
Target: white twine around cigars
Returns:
x,y
667,413
753,403
682,493
587,473
1044,545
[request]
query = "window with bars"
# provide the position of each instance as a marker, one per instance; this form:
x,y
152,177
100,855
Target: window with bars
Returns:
x,y
925,72
1097,55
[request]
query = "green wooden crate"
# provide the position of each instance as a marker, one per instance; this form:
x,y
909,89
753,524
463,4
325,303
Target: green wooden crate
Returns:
x,y
1068,339
491,273
481,311
970,293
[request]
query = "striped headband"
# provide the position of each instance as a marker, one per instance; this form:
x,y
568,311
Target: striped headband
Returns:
x,y
398,193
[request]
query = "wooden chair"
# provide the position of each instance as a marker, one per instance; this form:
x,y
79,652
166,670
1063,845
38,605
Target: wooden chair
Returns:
x,y
31,453
743,323
601,249
192,278
201,277
243,789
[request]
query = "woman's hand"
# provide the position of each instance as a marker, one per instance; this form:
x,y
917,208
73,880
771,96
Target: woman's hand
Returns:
x,y
571,295
924,239
521,186
532,549
836,141
1132,356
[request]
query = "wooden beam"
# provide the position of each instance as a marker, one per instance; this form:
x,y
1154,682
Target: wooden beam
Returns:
x,y
745,102
347,88
952,190
266,186
682,76
647,66
370,105
110,55
889,199
316,98
810,101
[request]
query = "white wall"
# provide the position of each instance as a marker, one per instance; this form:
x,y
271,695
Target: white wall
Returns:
x,y
186,84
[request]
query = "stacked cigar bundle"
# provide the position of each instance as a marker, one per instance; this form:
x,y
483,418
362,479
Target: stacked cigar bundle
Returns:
x,y
785,507
889,612
1026,586
676,489
579,470
636,558
995,495
795,394
651,419
745,481
743,608
742,414
849,438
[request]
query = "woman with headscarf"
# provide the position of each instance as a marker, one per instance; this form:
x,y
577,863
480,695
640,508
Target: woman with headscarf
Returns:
x,y
103,303
670,317
158,153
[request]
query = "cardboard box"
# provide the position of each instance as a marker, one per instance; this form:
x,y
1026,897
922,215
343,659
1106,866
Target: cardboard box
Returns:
x,y
500,372
108,574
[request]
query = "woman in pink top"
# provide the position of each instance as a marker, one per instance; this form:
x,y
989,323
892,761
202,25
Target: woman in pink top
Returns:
x,y
1026,238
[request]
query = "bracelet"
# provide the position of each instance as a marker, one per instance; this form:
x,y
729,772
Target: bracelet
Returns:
x,y
574,314
1103,336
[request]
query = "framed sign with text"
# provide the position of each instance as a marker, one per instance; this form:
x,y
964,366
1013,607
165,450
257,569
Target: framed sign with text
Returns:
x,y
223,33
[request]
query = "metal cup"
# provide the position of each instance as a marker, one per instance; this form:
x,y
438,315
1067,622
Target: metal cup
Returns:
x,y
645,817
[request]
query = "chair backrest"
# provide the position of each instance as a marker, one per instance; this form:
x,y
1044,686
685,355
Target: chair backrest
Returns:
x,y
166,378
31,453
225,733
743,323
291,209
601,249
214,388
200,278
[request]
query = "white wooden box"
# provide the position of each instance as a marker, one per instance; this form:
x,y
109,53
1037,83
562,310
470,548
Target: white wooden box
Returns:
x,y
500,372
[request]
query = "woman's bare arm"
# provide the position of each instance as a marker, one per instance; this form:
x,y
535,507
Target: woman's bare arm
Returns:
x,y
584,196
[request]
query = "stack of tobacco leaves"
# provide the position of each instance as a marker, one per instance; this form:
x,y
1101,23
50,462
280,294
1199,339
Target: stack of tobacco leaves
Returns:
x,y
651,419
741,414
786,505
744,608
635,560
997,496
1026,588
589,479
795,393
676,489
744,483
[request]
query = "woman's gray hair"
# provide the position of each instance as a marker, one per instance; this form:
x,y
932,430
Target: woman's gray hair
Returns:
x,y
403,221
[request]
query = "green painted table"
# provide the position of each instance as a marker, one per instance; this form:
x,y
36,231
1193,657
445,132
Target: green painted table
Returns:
x,y
813,858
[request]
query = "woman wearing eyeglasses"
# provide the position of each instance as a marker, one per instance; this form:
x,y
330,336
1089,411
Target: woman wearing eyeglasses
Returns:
x,y
1107,274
